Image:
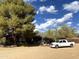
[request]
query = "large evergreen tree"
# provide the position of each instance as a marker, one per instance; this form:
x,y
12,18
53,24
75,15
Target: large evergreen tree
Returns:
x,y
16,17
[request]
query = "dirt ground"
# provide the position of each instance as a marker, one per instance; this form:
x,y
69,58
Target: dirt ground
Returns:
x,y
39,53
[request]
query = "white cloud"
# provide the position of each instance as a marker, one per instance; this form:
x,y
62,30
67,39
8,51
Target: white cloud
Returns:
x,y
42,8
77,24
44,26
34,21
34,0
53,22
42,0
65,18
30,0
73,7
69,23
50,9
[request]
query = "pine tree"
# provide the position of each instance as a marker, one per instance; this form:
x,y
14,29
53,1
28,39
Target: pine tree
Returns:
x,y
16,17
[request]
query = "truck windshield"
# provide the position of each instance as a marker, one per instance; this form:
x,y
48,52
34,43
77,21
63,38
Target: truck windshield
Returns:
x,y
64,41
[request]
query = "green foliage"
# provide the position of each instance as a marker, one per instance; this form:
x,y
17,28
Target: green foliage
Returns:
x,y
1,33
50,34
3,23
18,15
2,40
64,32
13,22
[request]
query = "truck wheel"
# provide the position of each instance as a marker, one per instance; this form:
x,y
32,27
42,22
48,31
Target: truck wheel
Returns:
x,y
71,45
56,46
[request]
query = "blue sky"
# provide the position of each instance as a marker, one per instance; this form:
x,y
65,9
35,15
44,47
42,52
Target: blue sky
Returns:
x,y
51,14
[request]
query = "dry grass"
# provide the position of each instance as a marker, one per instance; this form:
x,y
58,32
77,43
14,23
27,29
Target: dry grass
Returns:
x,y
39,53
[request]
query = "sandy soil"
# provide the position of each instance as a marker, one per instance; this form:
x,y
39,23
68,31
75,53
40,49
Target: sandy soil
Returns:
x,y
39,53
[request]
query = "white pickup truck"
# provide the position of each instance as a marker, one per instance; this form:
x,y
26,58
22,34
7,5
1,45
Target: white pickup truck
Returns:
x,y
62,43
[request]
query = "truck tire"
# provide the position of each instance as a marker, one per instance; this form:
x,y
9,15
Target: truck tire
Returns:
x,y
56,46
71,45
